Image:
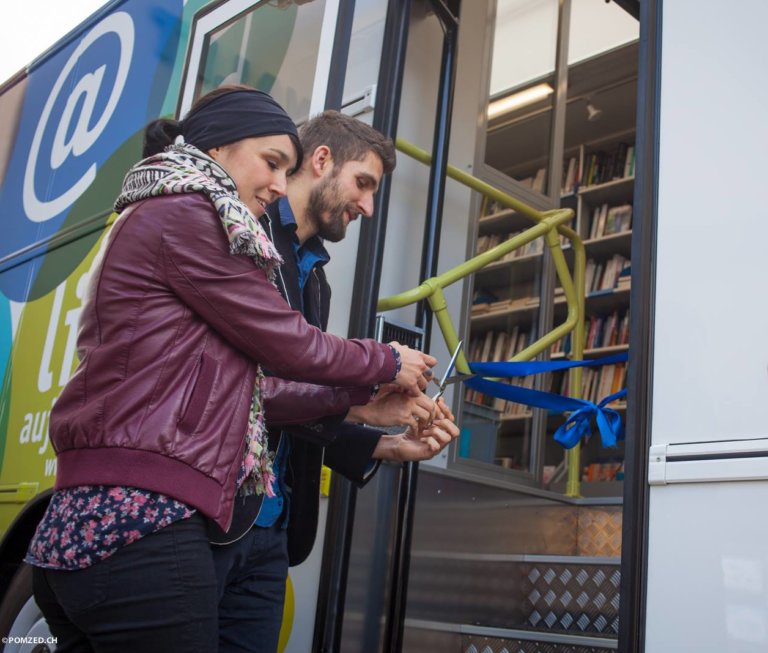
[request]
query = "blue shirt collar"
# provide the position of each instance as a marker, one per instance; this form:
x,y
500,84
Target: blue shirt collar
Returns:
x,y
313,245
310,254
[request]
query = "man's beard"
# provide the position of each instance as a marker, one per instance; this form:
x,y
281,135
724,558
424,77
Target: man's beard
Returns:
x,y
325,199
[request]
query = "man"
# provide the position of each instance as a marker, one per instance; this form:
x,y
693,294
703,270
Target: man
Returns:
x,y
344,161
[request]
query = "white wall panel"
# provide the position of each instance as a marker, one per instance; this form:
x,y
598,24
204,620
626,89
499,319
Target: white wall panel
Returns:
x,y
711,349
707,558
708,569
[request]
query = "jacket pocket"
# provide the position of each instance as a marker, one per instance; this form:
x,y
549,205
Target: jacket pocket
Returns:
x,y
200,394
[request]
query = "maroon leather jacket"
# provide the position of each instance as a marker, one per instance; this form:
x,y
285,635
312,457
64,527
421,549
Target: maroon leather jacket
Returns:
x,y
169,341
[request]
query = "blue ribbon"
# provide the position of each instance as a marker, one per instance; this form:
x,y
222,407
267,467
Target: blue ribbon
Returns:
x,y
578,424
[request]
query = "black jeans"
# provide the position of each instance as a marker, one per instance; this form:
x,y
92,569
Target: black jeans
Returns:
x,y
155,595
251,574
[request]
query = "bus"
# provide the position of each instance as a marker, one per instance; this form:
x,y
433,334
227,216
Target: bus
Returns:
x,y
642,119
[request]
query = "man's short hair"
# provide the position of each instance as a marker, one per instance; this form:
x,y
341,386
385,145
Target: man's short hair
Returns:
x,y
347,138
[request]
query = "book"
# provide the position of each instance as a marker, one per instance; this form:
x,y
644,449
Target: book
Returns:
x,y
570,176
601,220
485,353
621,161
606,381
512,343
618,378
589,275
629,164
500,346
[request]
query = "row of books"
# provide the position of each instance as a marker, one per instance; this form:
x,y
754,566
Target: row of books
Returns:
x,y
599,167
504,407
600,277
492,207
607,330
605,275
499,346
596,382
484,243
602,166
607,220
502,305
611,471
536,181
600,331
571,176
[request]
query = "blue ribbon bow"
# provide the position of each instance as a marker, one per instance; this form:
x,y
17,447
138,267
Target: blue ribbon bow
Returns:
x,y
579,422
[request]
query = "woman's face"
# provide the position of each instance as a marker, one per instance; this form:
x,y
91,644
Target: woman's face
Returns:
x,y
259,167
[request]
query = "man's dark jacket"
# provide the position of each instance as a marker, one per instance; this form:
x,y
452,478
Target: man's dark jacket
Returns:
x,y
348,447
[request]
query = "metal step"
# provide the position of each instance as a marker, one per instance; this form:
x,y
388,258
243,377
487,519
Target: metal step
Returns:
x,y
553,594
501,569
424,636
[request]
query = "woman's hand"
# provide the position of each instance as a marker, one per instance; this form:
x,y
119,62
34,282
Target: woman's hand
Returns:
x,y
415,369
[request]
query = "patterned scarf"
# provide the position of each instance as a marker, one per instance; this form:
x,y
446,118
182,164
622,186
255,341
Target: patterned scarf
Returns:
x,y
185,169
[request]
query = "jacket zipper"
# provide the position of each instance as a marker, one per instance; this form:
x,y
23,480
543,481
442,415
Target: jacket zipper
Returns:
x,y
319,305
279,270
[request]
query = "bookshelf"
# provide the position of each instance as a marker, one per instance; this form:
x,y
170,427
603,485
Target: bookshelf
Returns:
x,y
596,175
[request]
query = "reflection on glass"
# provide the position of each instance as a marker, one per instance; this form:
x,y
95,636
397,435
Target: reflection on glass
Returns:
x,y
601,104
522,90
506,302
597,183
273,48
504,314
598,169
364,45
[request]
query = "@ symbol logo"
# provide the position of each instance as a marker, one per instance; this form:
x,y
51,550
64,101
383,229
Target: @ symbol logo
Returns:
x,y
81,136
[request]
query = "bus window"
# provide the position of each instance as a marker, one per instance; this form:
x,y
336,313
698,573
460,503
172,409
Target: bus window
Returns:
x,y
521,90
273,48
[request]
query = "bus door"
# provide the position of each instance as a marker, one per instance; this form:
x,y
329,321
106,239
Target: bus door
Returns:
x,y
501,557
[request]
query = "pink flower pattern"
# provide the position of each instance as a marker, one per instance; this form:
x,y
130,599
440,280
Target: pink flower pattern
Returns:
x,y
89,523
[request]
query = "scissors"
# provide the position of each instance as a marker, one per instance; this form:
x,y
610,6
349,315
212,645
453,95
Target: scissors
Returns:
x,y
447,379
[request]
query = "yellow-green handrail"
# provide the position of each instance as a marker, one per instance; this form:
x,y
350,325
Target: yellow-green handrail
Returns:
x,y
548,225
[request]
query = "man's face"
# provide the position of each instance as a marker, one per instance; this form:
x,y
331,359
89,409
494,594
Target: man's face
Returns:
x,y
342,194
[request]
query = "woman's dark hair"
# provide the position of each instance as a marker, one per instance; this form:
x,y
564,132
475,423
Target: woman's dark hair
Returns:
x,y
158,135
216,128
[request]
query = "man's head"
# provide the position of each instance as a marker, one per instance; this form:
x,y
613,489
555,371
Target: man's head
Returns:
x,y
345,160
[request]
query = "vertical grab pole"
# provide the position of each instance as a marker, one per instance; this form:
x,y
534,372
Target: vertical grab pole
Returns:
x,y
406,500
437,172
341,505
573,456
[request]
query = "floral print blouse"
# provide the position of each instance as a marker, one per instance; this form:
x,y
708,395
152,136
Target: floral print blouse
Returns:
x,y
89,523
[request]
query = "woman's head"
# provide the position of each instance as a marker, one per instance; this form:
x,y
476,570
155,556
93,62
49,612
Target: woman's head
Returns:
x,y
246,131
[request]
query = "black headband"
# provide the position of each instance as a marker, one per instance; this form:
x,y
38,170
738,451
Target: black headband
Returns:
x,y
243,113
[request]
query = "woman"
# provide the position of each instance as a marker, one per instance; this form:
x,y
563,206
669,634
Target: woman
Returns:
x,y
162,422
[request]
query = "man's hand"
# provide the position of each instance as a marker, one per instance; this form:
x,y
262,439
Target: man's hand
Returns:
x,y
394,407
422,443
415,369
442,412
404,448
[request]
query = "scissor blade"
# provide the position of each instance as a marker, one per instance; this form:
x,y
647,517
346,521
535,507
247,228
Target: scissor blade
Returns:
x,y
451,366
458,378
